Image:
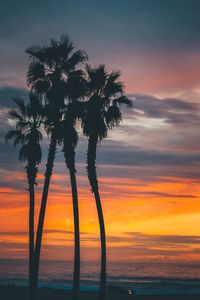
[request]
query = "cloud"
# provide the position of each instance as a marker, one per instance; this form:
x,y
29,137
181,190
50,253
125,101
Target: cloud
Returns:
x,y
154,194
132,156
163,240
170,110
46,231
7,93
131,245
131,151
13,233
161,195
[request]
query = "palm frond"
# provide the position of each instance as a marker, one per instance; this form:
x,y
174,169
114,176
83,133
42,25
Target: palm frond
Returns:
x,y
66,46
14,114
36,71
23,153
75,87
113,116
33,153
114,75
123,100
113,88
89,70
22,124
33,136
77,58
97,77
19,101
41,86
37,153
36,53
52,56
12,134
54,43
27,133
106,94
35,108
102,128
19,140
75,110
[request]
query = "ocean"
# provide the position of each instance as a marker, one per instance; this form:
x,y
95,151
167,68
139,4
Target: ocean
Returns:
x,y
143,277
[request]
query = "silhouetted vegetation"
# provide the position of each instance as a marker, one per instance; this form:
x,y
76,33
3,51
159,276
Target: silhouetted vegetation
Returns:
x,y
63,91
28,117
106,94
52,75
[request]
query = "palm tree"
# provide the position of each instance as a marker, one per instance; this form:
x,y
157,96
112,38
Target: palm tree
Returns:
x,y
28,118
50,72
106,94
70,139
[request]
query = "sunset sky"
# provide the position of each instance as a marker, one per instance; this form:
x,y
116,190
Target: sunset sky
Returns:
x,y
149,167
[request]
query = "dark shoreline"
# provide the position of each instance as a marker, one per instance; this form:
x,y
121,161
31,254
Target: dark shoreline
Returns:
x,y
21,293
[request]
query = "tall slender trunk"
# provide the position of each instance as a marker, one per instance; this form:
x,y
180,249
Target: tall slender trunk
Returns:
x,y
31,241
70,163
48,173
76,277
102,287
31,170
92,176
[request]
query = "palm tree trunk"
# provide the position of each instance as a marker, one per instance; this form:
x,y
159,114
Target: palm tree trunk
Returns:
x,y
76,278
102,287
31,175
70,163
92,176
31,241
48,173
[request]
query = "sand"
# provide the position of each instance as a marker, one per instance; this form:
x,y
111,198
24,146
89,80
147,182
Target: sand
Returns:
x,y
18,293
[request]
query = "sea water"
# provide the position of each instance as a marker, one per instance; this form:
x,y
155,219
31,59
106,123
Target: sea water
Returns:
x,y
143,277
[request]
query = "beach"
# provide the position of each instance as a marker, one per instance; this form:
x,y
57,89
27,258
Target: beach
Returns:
x,y
11,293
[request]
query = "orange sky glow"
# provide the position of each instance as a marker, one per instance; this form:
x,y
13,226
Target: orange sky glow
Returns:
x,y
149,166
132,218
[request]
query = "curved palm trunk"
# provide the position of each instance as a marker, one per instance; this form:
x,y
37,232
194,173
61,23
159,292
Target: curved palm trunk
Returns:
x,y
31,240
76,278
48,173
70,163
31,175
92,175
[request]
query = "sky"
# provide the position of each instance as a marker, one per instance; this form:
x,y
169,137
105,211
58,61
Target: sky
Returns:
x,y
149,167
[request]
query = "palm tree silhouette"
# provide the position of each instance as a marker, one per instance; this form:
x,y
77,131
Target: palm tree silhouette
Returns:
x,y
50,72
70,140
28,118
69,137
102,113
